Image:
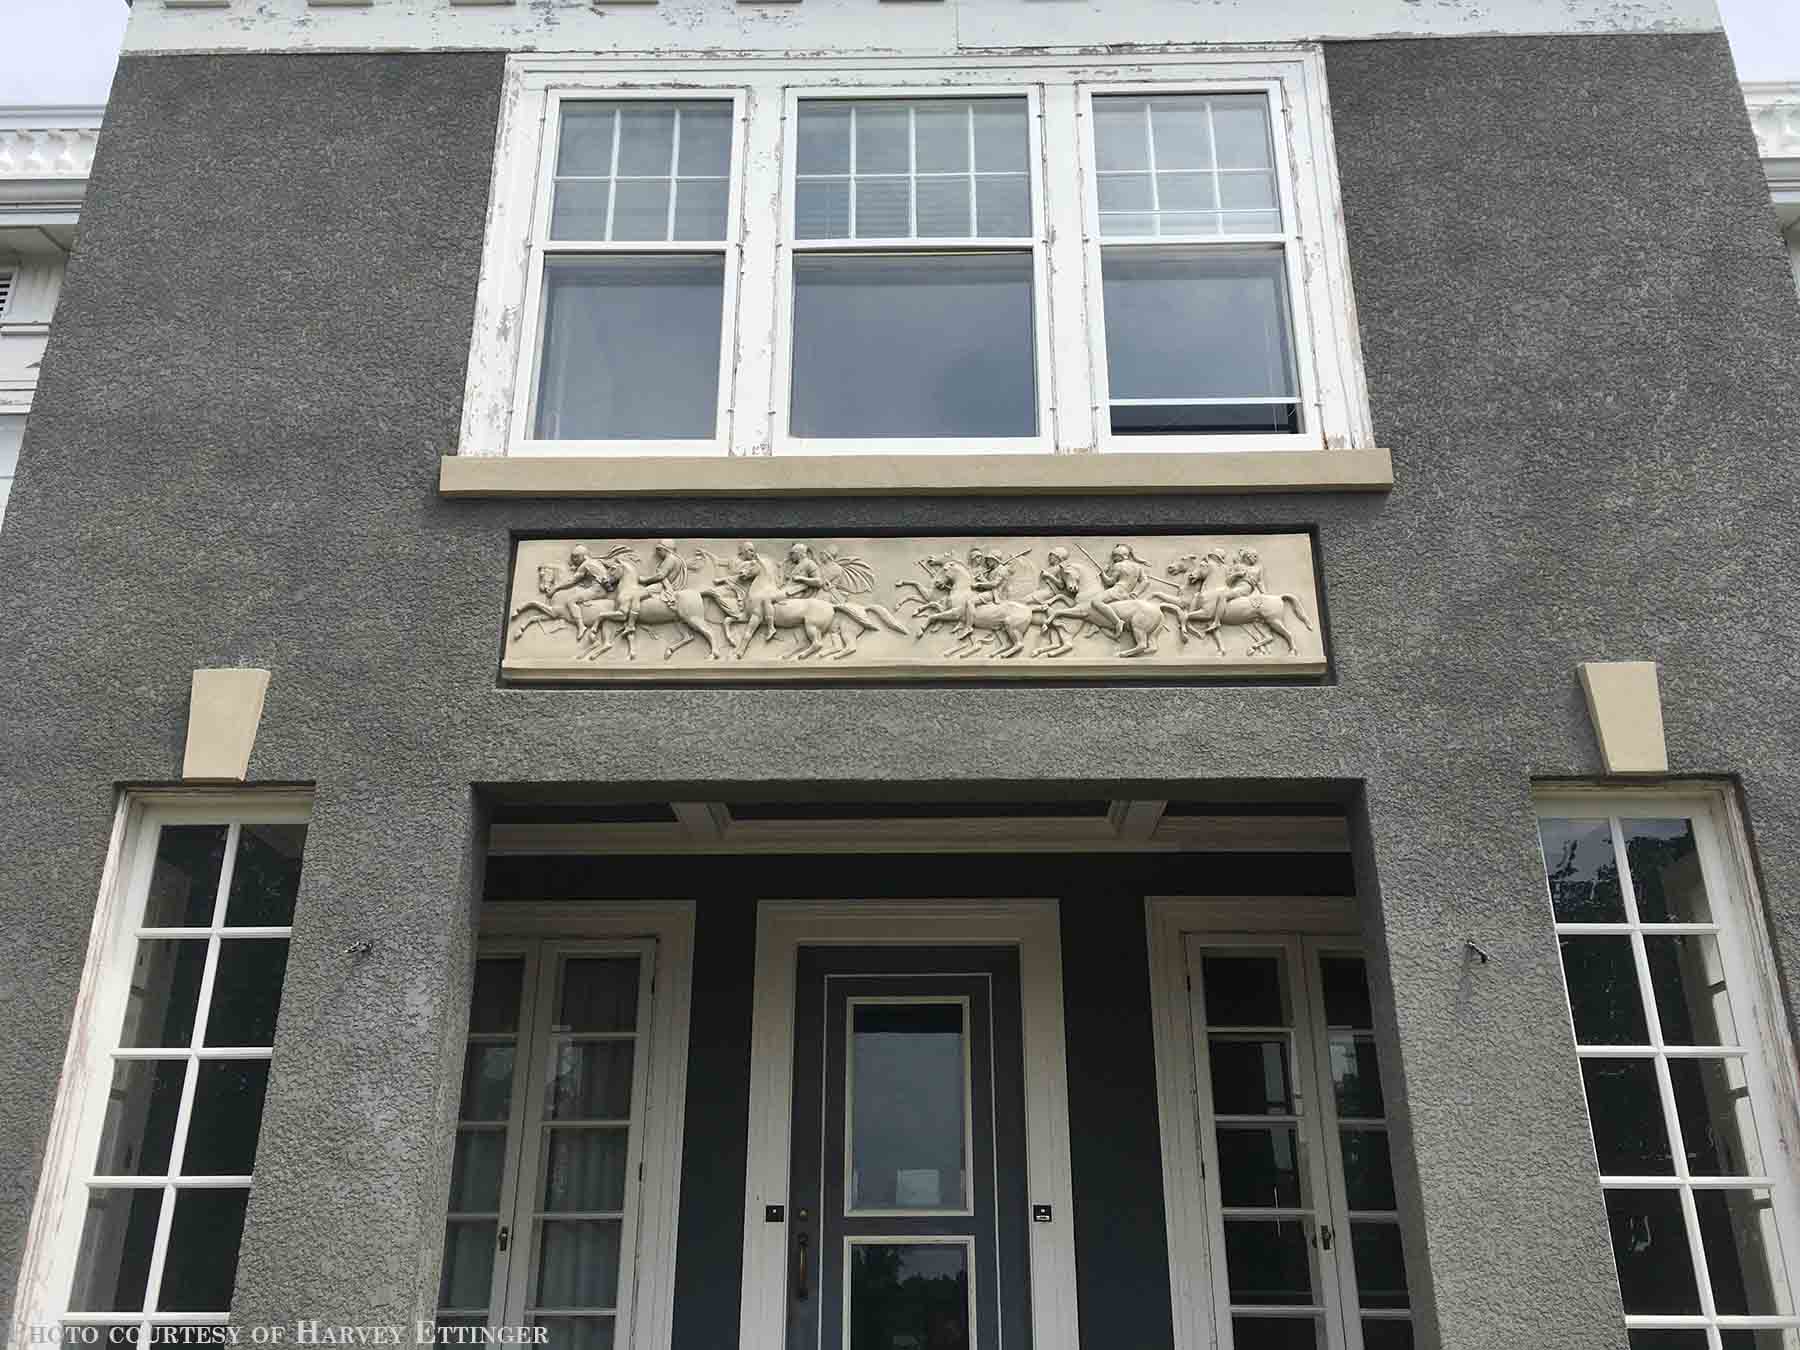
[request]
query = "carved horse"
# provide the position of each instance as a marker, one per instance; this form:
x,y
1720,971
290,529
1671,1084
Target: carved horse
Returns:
x,y
1008,620
1261,614
1143,618
577,608
688,609
768,606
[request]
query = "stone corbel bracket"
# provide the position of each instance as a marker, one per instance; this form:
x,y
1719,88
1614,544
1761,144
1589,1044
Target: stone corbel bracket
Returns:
x,y
1625,705
224,711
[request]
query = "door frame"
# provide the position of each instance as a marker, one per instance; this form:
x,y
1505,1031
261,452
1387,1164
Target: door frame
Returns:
x,y
1168,921
1034,928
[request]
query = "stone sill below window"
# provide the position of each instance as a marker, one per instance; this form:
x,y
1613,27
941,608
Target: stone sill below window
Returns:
x,y
918,475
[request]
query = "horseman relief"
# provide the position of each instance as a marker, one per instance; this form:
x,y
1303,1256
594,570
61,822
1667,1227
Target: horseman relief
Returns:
x,y
1223,605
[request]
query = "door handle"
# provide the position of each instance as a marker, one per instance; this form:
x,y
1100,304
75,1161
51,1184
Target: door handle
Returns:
x,y
1325,1236
800,1279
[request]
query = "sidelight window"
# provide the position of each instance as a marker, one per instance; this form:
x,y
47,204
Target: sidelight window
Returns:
x,y
1304,1223
164,1121
546,1179
1677,1033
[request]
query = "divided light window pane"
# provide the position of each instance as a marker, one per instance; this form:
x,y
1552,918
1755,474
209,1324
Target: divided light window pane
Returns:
x,y
641,170
914,345
1199,335
924,169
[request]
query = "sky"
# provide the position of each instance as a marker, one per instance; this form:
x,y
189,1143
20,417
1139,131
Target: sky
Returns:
x,y
63,51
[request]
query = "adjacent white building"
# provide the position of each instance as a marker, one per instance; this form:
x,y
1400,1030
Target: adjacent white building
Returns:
x,y
45,156
1775,114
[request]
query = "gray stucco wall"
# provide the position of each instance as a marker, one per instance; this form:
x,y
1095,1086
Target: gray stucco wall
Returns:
x,y
1579,332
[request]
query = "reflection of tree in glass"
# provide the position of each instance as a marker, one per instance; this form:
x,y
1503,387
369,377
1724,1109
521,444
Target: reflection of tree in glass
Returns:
x,y
1581,869
909,1297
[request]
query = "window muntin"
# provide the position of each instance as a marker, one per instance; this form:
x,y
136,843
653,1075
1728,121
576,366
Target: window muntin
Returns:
x,y
632,277
545,1185
1195,253
915,278
190,993
1686,1130
1303,1219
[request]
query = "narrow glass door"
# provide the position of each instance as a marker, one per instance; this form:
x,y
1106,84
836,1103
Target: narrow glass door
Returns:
x,y
1272,1268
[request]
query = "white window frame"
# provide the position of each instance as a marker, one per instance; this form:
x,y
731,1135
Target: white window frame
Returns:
x,y
665,931
872,87
53,1240
756,358
1740,927
540,247
1320,318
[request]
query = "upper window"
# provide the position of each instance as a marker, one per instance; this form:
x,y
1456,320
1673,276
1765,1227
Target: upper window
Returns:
x,y
630,260
914,272
1041,261
1195,257
1679,1034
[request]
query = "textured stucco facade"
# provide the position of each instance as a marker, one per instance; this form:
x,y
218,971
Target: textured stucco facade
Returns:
x,y
1579,336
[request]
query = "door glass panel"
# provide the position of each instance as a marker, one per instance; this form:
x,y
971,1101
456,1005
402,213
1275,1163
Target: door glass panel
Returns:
x,y
1582,872
1380,1265
1251,1075
1737,1228
1368,1170
200,1266
140,1117
468,1269
598,994
584,1170
1712,1103
1665,871
1626,1109
908,1106
1603,991
1259,1167
1688,981
1387,1333
576,1333
909,1296
578,1263
591,1081
1356,1076
266,877
1650,1248
165,992
184,883
1269,1261
1245,991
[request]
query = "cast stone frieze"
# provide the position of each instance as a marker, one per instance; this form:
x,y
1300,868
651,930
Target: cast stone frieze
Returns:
x,y
1201,605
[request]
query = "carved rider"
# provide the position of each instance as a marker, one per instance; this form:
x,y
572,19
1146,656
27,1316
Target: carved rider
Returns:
x,y
804,576
1244,577
989,574
1125,576
667,575
589,577
762,613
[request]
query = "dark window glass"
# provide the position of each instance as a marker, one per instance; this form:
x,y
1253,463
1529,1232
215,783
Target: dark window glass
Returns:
x,y
476,1171
200,1266
1582,871
1380,1265
165,991
590,1081
247,991
598,995
1603,991
228,1105
1650,1247
1387,1333
1661,1339
465,1280
1665,871
1368,1169
1691,1002
184,883
1268,1261
909,1294
487,1082
140,1117
578,1263
1346,983
266,877
1356,1076
1275,1333
1737,1229
1712,1103
113,1266
1626,1111
1259,1167
1244,991
1250,1076
494,1009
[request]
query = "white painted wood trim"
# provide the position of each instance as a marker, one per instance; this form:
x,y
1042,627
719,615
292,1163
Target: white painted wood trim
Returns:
x,y
1030,925
1168,919
671,924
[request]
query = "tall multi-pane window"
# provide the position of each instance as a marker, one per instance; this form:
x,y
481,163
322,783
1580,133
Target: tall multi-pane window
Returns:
x,y
545,1182
915,271
1196,244
1695,1155
633,262
1305,1226
187,996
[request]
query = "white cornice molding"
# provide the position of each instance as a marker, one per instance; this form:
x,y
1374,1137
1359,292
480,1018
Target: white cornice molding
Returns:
x,y
45,149
1775,117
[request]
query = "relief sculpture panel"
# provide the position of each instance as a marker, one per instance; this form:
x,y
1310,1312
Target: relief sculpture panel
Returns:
x,y
946,607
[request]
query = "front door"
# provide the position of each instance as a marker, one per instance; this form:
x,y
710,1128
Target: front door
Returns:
x,y
908,1208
